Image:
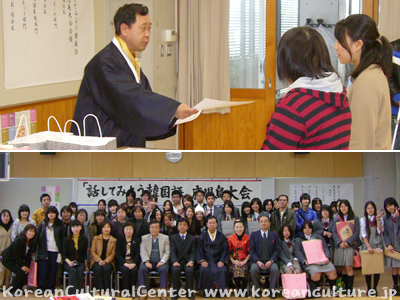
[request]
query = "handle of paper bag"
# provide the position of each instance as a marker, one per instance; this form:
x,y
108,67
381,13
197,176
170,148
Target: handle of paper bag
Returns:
x,y
84,124
76,123
19,125
48,123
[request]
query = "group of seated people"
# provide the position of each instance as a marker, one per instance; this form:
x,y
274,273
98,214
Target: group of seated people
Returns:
x,y
138,237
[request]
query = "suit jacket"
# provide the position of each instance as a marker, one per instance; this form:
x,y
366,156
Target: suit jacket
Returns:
x,y
16,253
289,219
284,255
183,252
146,246
388,232
120,251
69,251
144,229
299,249
127,110
274,246
41,242
97,249
354,240
217,210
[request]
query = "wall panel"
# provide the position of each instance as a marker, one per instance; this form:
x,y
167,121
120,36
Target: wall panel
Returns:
x,y
112,164
231,164
274,164
315,164
67,164
349,164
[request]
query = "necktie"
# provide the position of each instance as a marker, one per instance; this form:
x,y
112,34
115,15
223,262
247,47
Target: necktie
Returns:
x,y
211,212
373,223
183,238
227,218
393,219
264,236
289,244
326,224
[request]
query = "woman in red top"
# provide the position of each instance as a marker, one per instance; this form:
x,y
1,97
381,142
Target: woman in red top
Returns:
x,y
239,255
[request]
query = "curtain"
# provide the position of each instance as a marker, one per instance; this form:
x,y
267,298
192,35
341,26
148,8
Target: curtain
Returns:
x,y
203,51
389,19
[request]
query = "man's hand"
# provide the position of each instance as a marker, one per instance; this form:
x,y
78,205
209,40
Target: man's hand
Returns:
x,y
260,265
268,265
160,264
184,111
220,264
189,264
25,269
176,264
204,264
149,266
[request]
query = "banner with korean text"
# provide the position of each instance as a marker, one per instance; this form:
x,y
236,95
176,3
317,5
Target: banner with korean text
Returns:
x,y
91,190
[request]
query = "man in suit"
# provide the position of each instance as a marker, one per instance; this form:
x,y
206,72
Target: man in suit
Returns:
x,y
211,210
155,253
283,216
183,256
115,89
213,256
265,248
226,196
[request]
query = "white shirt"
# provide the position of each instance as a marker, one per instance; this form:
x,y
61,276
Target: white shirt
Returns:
x,y
176,208
308,237
262,234
51,242
215,236
363,225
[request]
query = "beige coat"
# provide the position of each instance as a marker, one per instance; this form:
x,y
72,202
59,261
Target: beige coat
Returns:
x,y
146,245
5,241
97,248
369,99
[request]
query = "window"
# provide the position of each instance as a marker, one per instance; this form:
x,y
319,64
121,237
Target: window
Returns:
x,y
247,25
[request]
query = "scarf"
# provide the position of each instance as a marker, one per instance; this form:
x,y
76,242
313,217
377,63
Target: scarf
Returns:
x,y
132,56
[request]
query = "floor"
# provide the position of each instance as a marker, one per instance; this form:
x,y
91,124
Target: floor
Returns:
x,y
385,283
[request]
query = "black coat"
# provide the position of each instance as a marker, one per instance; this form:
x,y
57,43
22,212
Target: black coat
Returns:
x,y
183,252
127,110
144,229
120,251
59,235
16,253
69,251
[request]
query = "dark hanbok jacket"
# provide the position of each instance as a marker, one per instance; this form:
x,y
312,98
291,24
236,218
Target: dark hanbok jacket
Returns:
x,y
127,110
212,252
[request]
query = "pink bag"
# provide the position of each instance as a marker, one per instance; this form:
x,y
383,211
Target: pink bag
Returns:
x,y
314,251
294,286
32,278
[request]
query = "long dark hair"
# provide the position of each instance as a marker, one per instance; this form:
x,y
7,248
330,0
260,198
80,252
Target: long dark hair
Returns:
x,y
302,52
266,201
9,223
376,49
258,201
314,202
280,233
57,221
350,213
390,201
23,235
232,206
366,216
75,223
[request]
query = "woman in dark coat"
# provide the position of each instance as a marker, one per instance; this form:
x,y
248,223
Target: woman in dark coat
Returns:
x,y
17,257
50,234
74,254
128,257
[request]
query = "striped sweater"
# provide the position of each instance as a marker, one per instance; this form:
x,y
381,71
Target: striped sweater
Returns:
x,y
310,119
